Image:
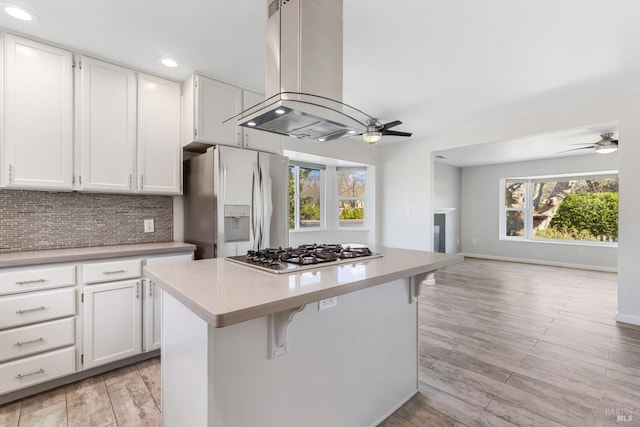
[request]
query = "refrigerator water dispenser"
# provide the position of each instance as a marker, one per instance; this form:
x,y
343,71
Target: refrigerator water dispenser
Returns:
x,y
236,223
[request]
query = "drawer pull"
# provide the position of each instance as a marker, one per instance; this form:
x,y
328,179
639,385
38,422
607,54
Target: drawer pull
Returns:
x,y
21,376
28,282
113,272
42,307
18,344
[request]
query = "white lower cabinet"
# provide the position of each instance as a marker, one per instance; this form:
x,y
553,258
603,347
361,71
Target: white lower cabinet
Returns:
x,y
37,369
112,321
152,329
32,339
43,333
37,325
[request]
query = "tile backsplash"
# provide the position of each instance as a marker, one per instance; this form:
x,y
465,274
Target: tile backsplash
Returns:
x,y
36,220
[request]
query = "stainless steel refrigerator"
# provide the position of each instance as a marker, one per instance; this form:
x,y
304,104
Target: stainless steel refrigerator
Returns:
x,y
235,200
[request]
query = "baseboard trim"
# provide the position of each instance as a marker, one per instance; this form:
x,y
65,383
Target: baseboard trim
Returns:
x,y
625,318
543,262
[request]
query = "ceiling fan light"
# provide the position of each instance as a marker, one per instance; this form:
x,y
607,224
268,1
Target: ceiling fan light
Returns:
x,y
605,149
372,136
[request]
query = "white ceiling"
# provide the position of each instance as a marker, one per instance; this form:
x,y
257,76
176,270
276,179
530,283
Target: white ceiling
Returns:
x,y
551,145
435,65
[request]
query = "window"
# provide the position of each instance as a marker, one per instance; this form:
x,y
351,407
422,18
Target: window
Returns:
x,y
305,195
562,208
351,184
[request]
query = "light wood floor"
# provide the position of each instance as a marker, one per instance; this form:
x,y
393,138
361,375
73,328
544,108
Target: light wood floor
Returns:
x,y
505,344
500,344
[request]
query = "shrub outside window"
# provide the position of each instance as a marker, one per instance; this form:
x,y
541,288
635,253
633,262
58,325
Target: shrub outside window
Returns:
x,y
577,208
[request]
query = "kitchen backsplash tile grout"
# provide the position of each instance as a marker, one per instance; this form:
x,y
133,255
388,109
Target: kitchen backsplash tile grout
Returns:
x,y
38,220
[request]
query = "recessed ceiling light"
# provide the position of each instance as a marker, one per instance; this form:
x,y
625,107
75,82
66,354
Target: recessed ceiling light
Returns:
x,y
251,124
168,62
321,140
352,131
19,12
280,111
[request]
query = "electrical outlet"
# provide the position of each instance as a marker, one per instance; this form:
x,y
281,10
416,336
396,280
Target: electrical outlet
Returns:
x,y
323,304
149,226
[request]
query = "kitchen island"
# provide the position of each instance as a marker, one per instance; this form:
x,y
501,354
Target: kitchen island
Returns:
x,y
243,347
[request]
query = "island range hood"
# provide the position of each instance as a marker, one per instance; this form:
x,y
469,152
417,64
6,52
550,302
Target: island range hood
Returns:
x,y
304,74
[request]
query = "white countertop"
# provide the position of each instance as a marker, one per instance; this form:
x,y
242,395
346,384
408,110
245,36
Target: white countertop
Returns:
x,y
223,293
15,259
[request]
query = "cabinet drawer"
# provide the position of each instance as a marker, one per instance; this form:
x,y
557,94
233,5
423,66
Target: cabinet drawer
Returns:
x,y
27,340
32,279
36,369
32,307
110,271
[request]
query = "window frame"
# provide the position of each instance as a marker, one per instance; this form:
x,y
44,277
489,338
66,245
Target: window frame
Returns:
x,y
365,199
528,210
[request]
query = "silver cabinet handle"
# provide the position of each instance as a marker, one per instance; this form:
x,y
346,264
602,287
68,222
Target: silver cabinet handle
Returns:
x,y
28,282
42,307
21,376
150,288
137,289
130,180
113,272
18,344
141,182
10,174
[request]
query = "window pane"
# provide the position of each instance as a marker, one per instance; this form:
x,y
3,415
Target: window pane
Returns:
x,y
514,195
515,223
351,183
351,212
309,191
585,209
292,197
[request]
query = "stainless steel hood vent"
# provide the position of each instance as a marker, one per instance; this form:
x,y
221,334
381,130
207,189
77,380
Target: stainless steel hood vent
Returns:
x,y
304,74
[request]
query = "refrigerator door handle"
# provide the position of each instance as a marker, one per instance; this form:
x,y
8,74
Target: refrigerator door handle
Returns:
x,y
256,196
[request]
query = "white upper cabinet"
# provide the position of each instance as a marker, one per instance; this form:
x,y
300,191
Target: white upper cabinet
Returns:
x,y
257,139
105,126
36,133
159,150
208,103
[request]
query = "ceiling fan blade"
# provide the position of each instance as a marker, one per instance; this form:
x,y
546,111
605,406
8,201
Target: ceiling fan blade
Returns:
x,y
390,125
577,149
396,133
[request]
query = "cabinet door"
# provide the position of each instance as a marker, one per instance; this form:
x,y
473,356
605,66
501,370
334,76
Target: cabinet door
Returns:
x,y
106,126
36,145
159,147
216,102
112,322
152,314
257,139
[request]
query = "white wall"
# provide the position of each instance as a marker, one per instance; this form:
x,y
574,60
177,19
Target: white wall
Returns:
x,y
447,194
481,195
406,184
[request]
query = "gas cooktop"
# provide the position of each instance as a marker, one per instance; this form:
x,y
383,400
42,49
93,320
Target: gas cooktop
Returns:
x,y
304,257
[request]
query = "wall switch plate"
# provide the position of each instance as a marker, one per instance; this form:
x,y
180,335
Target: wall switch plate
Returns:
x,y
149,226
323,304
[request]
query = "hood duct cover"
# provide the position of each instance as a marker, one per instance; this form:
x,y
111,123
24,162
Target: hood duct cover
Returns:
x,y
304,74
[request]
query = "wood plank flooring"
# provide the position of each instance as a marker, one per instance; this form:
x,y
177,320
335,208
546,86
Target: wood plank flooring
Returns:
x,y
503,344
500,344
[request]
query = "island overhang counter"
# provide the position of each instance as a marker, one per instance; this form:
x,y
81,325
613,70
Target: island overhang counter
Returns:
x,y
247,347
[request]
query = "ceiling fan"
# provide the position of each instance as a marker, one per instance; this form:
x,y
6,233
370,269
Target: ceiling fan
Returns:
x,y
376,130
606,145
